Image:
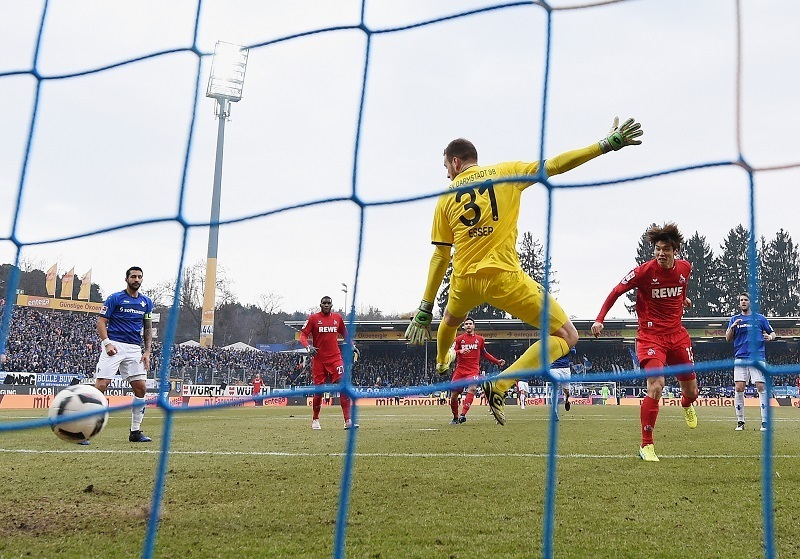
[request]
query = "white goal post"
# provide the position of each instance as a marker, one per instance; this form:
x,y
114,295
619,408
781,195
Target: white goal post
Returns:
x,y
582,390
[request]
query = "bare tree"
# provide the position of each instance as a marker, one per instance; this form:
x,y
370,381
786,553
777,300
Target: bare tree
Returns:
x,y
190,297
270,306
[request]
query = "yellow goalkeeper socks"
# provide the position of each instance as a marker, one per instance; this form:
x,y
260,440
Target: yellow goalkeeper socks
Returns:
x,y
532,359
445,336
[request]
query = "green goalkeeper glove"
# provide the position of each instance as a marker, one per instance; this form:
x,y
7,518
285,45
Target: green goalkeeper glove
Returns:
x,y
621,136
420,328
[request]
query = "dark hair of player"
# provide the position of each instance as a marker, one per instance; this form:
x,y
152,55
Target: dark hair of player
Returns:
x,y
468,319
329,300
745,295
667,233
131,269
461,148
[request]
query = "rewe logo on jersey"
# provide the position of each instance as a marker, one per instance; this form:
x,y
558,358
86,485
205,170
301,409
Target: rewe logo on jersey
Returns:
x,y
469,347
328,329
666,292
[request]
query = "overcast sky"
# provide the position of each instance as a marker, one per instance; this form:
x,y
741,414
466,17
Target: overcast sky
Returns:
x,y
109,148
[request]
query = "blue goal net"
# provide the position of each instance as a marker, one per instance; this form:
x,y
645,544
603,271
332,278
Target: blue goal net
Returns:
x,y
337,151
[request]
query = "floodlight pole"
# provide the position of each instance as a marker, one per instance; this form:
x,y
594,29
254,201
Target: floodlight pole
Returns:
x,y
225,86
344,289
209,292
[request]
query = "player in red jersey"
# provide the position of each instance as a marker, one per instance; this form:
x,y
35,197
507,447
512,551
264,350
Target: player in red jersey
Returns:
x,y
327,366
798,389
469,348
662,339
257,383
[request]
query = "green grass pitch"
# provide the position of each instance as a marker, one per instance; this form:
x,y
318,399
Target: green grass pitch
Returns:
x,y
258,482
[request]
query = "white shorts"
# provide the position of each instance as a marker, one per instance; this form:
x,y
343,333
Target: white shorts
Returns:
x,y
127,362
562,376
522,387
746,374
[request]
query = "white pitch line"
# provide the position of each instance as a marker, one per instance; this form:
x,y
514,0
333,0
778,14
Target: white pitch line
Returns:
x,y
391,454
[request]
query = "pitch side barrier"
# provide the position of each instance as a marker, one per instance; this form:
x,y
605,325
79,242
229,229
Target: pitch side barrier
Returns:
x,y
31,396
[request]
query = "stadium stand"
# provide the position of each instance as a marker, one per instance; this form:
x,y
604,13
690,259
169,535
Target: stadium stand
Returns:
x,y
51,341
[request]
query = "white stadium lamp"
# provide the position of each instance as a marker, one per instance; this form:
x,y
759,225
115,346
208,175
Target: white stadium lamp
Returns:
x,y
225,85
227,72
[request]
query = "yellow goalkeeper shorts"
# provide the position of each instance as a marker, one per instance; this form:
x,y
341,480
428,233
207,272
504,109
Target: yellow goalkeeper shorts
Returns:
x,y
514,292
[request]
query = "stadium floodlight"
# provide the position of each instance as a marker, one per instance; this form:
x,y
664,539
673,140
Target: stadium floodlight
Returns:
x,y
225,85
344,290
228,67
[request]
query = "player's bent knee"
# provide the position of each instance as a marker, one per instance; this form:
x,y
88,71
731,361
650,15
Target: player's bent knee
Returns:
x,y
568,333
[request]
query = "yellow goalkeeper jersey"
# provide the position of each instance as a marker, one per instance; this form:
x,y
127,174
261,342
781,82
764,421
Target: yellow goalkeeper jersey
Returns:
x,y
481,221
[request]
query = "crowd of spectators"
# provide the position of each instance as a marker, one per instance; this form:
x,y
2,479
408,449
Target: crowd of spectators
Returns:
x,y
201,365
51,341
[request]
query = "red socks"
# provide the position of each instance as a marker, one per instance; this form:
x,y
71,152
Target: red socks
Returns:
x,y
345,402
454,405
648,415
316,405
467,403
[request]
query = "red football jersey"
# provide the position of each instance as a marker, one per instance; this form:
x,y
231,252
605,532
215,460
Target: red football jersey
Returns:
x,y
469,349
324,330
660,296
257,382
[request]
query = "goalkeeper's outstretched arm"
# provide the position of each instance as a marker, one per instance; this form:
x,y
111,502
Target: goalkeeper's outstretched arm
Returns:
x,y
618,137
420,328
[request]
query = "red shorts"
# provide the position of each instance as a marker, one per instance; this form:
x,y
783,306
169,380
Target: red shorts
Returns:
x,y
327,373
461,374
667,349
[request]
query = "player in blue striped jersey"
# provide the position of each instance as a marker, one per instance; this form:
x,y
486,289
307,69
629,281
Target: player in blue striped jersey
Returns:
x,y
738,331
124,318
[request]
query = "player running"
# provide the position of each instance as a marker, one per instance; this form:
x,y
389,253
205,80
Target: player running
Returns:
x,y
478,217
738,332
661,339
469,347
327,366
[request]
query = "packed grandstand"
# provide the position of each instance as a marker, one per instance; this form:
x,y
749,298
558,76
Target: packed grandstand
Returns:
x,y
51,341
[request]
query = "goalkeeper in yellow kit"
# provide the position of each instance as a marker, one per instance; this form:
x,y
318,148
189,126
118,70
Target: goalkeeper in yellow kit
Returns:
x,y
478,217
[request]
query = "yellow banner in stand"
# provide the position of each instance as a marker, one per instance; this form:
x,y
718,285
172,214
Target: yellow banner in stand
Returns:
x,y
56,303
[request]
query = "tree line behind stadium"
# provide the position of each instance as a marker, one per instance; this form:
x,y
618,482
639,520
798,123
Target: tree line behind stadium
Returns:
x,y
718,277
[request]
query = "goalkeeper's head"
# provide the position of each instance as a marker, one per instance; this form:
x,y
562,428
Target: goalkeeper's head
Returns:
x,y
458,155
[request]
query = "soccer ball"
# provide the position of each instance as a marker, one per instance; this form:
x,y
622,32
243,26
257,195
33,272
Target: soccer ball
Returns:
x,y
81,398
